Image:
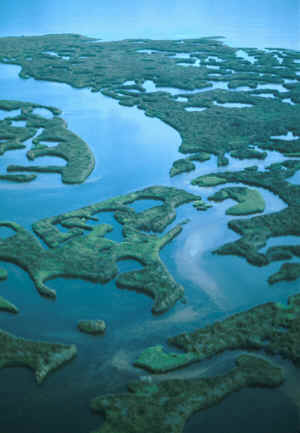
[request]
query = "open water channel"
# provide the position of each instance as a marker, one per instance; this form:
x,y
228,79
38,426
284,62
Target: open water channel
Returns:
x,y
132,151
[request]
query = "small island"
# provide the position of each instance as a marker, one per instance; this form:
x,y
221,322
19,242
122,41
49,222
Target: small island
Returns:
x,y
249,200
93,327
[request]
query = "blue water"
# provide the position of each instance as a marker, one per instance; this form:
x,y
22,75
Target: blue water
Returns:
x,y
132,151
267,24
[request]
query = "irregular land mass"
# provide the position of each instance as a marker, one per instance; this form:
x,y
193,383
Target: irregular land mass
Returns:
x,y
272,327
249,200
257,230
5,305
62,143
246,106
40,356
185,164
84,252
164,407
239,121
120,68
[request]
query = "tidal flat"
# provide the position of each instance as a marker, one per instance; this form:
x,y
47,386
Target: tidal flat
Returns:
x,y
247,105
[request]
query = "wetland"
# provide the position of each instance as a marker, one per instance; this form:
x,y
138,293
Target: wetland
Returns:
x,y
210,128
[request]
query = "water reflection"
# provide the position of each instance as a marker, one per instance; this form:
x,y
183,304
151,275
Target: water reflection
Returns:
x,y
131,150
101,125
190,264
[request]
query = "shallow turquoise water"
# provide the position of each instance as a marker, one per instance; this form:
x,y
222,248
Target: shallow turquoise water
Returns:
x,y
132,151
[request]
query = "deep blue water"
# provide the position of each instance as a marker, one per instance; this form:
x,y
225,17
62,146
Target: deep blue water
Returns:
x,y
132,151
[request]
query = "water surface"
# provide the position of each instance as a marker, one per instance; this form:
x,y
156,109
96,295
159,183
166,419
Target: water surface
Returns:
x,y
133,151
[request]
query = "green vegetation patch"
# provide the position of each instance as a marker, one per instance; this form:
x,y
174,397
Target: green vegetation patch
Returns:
x,y
287,272
68,146
83,251
20,178
208,180
185,165
220,129
200,156
270,327
5,305
92,326
201,205
3,274
165,406
248,153
249,200
181,166
40,356
257,230
157,360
